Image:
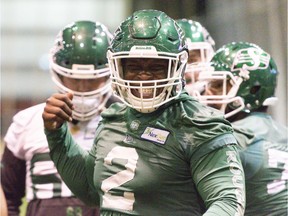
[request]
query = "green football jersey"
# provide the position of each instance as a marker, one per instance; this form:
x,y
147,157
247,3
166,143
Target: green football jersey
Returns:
x,y
265,162
160,163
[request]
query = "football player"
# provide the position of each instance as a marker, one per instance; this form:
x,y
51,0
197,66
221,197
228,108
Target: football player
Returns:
x,y
159,152
243,87
78,65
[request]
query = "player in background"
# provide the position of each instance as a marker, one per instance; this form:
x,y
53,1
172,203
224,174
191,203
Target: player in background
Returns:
x,y
161,150
201,49
243,87
78,65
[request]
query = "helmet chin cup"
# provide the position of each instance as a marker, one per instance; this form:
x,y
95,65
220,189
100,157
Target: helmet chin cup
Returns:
x,y
85,108
89,108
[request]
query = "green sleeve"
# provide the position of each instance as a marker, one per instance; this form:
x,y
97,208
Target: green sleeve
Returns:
x,y
219,178
74,165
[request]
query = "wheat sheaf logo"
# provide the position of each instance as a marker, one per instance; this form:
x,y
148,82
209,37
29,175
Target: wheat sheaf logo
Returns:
x,y
250,59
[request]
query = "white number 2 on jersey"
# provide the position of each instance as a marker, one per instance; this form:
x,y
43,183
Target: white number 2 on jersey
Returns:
x,y
275,157
126,201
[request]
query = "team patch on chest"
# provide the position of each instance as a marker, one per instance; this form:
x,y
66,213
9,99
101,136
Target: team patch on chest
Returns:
x,y
155,135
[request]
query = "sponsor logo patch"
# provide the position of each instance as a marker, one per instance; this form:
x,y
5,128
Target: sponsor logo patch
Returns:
x,y
155,135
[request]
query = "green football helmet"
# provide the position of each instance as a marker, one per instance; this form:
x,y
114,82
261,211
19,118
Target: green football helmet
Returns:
x,y
148,34
79,52
252,74
201,50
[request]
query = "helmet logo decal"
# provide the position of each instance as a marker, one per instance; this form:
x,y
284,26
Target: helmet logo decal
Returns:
x,y
250,59
134,125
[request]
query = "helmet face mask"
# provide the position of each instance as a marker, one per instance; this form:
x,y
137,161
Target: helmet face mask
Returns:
x,y
135,39
220,91
79,54
201,50
251,73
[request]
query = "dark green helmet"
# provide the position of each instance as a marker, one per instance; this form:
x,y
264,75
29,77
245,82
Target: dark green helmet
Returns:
x,y
148,34
149,28
195,32
252,73
79,52
82,43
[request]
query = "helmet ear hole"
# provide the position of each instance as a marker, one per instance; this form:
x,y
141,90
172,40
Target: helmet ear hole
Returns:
x,y
65,63
255,89
172,39
94,41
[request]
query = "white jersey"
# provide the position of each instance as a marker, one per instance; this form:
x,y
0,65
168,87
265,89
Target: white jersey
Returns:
x,y
25,138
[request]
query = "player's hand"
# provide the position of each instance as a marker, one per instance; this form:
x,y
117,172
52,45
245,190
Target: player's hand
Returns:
x,y
58,109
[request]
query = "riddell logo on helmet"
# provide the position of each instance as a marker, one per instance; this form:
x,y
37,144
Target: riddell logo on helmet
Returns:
x,y
144,50
143,47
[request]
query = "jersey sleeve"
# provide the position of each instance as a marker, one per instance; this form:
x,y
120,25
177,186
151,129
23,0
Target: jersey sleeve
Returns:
x,y
15,136
219,179
73,164
13,172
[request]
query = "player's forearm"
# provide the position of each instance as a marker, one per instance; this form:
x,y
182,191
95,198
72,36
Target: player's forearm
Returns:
x,y
220,181
70,160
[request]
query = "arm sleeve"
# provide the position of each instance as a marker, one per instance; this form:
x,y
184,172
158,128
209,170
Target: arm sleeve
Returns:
x,y
219,178
13,173
73,164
